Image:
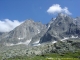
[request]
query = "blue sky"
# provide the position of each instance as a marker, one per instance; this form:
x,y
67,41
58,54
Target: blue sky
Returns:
x,y
35,9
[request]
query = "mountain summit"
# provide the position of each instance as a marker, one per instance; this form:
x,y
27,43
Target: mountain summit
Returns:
x,y
60,35
23,33
35,33
62,27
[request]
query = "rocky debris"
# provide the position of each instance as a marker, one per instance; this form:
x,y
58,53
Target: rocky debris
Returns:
x,y
59,47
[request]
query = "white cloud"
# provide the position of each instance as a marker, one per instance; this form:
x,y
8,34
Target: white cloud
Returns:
x,y
56,8
7,25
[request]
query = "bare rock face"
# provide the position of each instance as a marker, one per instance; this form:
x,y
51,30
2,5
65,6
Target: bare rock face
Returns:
x,y
34,33
23,33
62,27
60,35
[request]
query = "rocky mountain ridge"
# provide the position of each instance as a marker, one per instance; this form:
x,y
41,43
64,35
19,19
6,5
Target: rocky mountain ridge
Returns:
x,y
31,38
62,27
36,33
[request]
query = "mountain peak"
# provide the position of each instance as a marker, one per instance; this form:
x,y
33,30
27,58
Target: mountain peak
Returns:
x,y
58,28
29,21
62,14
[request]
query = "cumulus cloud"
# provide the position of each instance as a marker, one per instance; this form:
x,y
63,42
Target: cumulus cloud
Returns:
x,y
56,8
7,25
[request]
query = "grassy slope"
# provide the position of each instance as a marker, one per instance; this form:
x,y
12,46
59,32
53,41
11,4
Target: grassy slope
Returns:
x,y
50,56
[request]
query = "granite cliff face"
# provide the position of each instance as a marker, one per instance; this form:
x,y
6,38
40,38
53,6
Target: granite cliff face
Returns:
x,y
34,33
22,34
62,27
31,38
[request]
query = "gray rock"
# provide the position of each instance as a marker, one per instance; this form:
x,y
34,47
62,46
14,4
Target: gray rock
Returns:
x,y
62,26
23,32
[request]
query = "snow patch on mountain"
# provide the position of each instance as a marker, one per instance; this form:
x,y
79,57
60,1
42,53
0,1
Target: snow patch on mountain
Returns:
x,y
20,38
36,43
26,43
38,31
48,26
65,38
74,36
54,42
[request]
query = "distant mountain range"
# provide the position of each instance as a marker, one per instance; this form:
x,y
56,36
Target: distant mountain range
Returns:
x,y
31,38
36,33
